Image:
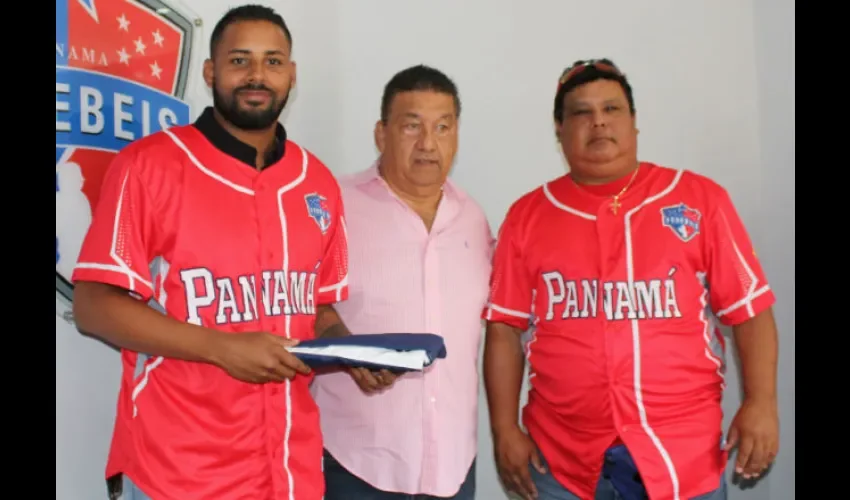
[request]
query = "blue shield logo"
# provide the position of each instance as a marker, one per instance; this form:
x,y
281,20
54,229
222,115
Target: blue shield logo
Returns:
x,y
682,220
317,209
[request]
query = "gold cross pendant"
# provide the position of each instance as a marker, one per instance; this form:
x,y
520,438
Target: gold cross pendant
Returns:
x,y
615,205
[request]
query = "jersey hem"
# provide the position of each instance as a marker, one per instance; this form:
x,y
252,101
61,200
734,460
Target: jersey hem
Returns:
x,y
116,278
332,296
495,313
740,313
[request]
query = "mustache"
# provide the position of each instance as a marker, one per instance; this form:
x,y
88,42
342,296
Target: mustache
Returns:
x,y
252,86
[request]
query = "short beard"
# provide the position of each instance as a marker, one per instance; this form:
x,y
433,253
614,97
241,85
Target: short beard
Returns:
x,y
259,119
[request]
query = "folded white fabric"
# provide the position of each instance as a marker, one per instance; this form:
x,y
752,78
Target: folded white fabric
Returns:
x,y
392,351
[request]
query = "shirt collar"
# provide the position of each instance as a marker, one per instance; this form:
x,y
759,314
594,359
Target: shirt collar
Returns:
x,y
230,145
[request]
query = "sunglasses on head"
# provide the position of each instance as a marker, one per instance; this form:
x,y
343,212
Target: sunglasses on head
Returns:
x,y
579,66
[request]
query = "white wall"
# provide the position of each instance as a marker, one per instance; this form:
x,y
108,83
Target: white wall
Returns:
x,y
776,225
712,87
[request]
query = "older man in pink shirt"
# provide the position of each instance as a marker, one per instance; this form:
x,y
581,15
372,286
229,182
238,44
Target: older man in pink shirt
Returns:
x,y
419,262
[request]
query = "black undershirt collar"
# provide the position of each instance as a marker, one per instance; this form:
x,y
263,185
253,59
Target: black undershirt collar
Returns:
x,y
226,143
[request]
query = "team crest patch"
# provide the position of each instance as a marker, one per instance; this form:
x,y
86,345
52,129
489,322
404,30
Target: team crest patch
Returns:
x,y
682,220
317,209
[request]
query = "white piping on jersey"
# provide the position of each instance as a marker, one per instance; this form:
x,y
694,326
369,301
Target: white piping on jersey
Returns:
x,y
144,381
159,267
532,329
288,318
563,207
630,273
709,329
132,276
122,267
504,310
202,168
753,292
129,273
746,301
338,287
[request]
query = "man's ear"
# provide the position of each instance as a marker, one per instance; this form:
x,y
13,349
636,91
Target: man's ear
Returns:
x,y
294,74
380,136
208,72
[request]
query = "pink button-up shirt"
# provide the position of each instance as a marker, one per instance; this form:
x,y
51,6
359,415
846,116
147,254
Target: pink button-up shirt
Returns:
x,y
420,435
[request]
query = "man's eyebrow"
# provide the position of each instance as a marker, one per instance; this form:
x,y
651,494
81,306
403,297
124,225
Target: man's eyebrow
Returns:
x,y
411,114
579,103
268,52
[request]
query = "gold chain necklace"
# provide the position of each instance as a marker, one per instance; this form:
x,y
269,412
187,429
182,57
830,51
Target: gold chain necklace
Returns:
x,y
615,201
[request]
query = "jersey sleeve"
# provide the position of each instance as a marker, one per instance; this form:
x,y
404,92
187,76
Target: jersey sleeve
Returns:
x,y
511,287
333,277
738,289
118,246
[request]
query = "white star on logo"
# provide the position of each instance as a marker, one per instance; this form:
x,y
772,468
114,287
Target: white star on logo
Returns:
x,y
123,23
140,46
124,56
157,38
155,70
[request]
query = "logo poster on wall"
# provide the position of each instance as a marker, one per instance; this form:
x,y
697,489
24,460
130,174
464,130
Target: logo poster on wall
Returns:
x,y
121,74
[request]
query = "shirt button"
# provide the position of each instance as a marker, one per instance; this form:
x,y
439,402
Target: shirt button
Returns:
x,y
433,399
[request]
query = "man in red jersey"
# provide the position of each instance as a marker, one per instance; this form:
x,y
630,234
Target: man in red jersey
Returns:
x,y
237,235
621,269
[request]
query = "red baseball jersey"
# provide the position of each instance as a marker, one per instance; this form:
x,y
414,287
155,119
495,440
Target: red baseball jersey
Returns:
x,y
624,344
215,242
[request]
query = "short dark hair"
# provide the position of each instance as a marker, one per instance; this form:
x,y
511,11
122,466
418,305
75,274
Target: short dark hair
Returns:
x,y
419,77
591,73
250,12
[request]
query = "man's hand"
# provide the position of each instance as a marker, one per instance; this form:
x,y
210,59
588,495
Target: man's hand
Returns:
x,y
370,381
755,431
258,357
514,451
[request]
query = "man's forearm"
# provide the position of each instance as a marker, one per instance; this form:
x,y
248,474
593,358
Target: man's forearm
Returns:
x,y
329,324
503,367
758,349
112,315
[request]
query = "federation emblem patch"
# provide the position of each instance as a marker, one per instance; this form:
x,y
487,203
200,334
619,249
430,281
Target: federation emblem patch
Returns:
x,y
682,220
122,68
317,209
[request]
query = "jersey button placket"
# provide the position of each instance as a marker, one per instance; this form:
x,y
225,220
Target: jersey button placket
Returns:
x,y
268,228
260,241
264,209
605,227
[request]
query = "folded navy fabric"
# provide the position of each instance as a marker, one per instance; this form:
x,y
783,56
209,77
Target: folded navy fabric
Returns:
x,y
397,352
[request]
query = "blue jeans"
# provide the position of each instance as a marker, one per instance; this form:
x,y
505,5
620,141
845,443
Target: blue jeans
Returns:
x,y
130,491
548,488
340,484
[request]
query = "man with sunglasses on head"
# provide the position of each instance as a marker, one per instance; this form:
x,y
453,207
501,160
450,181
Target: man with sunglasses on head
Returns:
x,y
621,269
